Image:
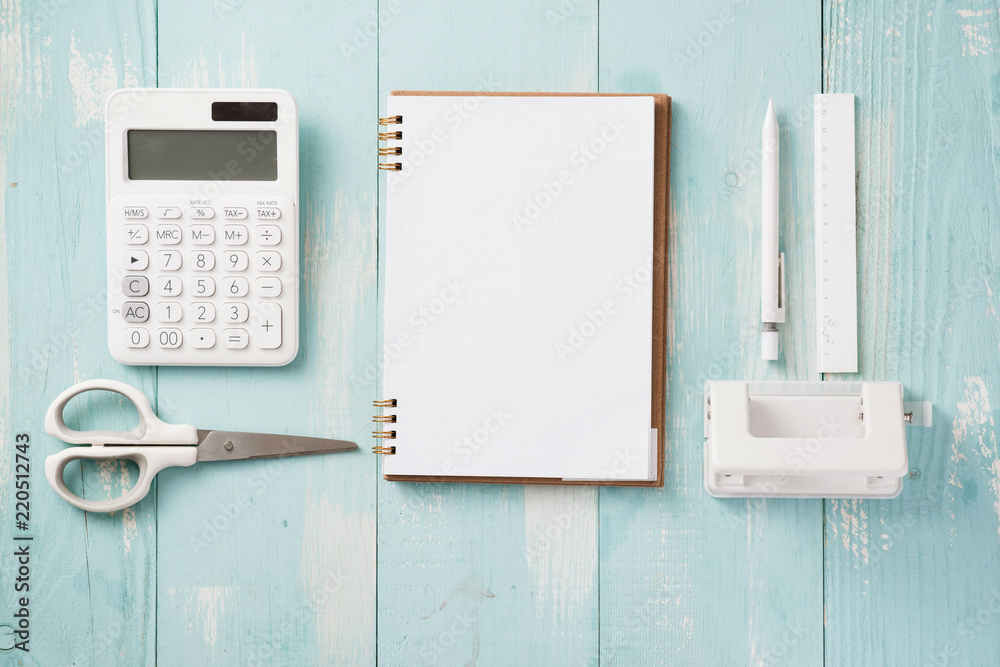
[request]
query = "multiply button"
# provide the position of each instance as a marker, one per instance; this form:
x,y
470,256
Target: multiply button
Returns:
x,y
268,234
168,234
268,213
268,260
202,234
234,213
135,311
201,213
234,235
236,339
267,325
168,212
135,260
136,234
136,213
135,285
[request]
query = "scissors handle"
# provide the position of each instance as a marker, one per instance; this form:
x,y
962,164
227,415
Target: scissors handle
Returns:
x,y
150,460
150,431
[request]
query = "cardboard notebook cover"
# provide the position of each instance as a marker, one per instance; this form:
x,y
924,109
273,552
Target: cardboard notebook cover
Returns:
x,y
661,192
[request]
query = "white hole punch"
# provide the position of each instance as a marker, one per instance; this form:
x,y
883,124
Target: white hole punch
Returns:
x,y
807,439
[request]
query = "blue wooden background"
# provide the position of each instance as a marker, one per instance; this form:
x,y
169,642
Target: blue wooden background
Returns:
x,y
328,564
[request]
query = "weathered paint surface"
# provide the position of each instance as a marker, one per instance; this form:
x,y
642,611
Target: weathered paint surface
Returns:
x,y
319,561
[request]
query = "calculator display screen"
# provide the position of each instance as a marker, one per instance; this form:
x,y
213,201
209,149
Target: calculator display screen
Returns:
x,y
203,155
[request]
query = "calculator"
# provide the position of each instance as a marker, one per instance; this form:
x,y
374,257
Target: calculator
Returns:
x,y
203,227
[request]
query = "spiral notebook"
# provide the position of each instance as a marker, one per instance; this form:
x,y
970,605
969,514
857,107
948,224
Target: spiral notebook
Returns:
x,y
525,288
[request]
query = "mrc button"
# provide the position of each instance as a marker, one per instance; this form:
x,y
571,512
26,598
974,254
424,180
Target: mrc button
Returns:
x,y
168,234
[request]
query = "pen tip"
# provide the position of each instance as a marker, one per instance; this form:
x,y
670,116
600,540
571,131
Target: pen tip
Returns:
x,y
770,107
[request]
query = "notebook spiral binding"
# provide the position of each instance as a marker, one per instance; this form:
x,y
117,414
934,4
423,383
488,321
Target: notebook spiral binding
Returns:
x,y
384,419
390,150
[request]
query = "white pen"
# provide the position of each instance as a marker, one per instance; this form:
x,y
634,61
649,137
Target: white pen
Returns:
x,y
772,269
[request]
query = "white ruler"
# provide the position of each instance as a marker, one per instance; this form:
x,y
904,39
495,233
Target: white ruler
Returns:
x,y
836,234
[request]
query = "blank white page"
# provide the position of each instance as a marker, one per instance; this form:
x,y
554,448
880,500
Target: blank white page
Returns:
x,y
518,287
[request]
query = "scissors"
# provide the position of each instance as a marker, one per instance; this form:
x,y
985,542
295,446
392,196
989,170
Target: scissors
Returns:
x,y
154,445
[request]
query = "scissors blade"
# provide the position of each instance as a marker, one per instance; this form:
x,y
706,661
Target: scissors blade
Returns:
x,y
234,445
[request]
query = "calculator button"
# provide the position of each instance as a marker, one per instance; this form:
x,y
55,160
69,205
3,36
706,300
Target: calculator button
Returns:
x,y
234,235
202,234
202,312
269,260
168,311
267,286
235,286
135,311
168,234
135,260
201,339
267,325
136,234
236,339
135,285
168,212
234,213
168,260
268,234
236,312
169,338
202,286
202,260
168,286
201,213
136,337
235,260
136,213
268,213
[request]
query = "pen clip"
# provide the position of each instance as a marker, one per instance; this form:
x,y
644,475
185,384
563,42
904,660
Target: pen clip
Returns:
x,y
780,318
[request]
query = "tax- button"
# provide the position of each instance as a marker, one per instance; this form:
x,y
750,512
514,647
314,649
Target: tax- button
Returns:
x,y
135,311
268,213
136,212
135,285
234,213
234,234
168,212
168,234
267,286
267,325
268,234
135,260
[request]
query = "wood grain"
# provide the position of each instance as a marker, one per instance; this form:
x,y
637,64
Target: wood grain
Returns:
x,y
915,580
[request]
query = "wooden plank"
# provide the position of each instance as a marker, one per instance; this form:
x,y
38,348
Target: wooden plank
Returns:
x,y
487,574
914,580
686,578
58,62
273,562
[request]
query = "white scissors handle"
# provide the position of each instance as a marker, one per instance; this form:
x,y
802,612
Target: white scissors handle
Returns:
x,y
150,431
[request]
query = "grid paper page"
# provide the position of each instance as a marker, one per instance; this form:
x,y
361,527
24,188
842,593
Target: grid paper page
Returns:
x,y
518,295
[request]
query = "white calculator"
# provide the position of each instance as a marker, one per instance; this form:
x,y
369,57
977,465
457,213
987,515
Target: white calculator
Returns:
x,y
203,227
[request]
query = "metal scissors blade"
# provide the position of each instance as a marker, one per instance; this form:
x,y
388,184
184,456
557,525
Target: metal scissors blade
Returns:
x,y
235,445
